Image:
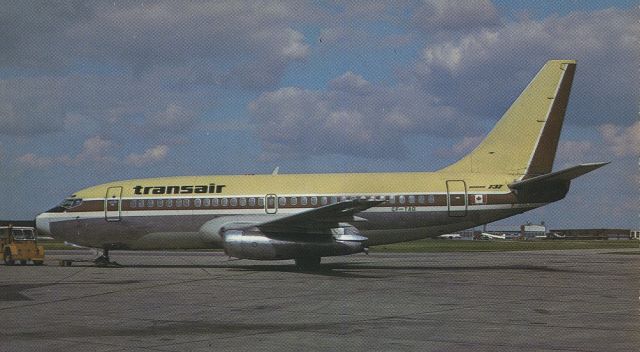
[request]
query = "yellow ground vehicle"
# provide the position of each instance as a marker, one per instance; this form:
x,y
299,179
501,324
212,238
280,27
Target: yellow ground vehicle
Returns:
x,y
20,244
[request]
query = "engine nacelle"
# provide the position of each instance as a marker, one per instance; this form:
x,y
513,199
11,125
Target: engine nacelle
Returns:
x,y
253,244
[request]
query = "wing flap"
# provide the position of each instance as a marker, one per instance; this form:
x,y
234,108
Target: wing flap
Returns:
x,y
319,220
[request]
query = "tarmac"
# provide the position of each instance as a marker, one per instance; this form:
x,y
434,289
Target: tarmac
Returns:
x,y
577,300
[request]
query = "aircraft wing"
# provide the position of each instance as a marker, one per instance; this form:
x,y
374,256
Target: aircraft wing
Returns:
x,y
319,220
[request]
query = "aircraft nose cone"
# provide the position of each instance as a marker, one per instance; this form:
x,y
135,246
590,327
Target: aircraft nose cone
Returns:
x,y
42,224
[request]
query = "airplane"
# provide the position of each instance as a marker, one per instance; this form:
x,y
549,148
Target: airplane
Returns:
x,y
305,217
556,236
490,236
450,236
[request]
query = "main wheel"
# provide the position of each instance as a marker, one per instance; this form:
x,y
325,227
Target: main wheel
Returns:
x,y
306,263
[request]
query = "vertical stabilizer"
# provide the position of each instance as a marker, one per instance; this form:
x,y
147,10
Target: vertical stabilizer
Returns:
x,y
524,142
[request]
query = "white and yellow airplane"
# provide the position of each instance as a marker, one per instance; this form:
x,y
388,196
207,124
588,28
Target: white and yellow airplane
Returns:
x,y
309,216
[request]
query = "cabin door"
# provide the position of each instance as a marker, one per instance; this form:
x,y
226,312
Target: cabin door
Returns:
x,y
457,200
113,204
271,204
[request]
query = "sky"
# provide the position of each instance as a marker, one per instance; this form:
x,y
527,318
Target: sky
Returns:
x,y
97,91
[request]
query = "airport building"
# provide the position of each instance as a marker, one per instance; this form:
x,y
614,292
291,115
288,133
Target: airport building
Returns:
x,y
536,232
526,231
595,234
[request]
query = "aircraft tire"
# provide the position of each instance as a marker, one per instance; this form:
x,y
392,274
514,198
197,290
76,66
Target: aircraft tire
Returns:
x,y
308,263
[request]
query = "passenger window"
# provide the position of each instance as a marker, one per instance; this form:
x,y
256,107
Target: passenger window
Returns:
x,y
197,202
140,203
243,202
206,202
303,200
252,202
392,199
132,204
282,201
261,202
412,199
294,201
178,203
314,200
225,202
186,202
160,203
401,199
150,203
215,202
334,200
324,200
169,203
431,199
421,199
234,202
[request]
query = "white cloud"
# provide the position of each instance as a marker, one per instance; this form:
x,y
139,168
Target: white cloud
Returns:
x,y
33,161
481,71
459,149
31,106
172,119
95,151
149,156
575,150
351,117
137,61
443,15
622,141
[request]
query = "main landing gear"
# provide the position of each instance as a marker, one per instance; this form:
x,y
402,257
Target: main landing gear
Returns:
x,y
104,260
308,263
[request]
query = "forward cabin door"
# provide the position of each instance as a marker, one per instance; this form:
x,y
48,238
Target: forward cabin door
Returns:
x,y
113,204
457,200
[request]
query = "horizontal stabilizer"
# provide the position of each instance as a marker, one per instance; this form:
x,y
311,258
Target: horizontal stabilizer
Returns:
x,y
558,176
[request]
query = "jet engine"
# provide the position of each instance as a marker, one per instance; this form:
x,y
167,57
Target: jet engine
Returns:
x,y
251,243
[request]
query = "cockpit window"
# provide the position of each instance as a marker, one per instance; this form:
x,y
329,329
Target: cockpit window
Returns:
x,y
71,203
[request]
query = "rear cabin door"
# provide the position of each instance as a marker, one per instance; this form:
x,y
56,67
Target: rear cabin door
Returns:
x,y
457,198
113,204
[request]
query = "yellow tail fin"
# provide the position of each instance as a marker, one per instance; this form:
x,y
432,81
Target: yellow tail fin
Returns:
x,y
524,141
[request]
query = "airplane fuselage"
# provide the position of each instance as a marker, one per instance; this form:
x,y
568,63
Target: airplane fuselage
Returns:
x,y
179,212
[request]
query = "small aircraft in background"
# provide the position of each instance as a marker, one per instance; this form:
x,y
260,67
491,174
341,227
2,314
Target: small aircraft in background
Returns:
x,y
490,236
